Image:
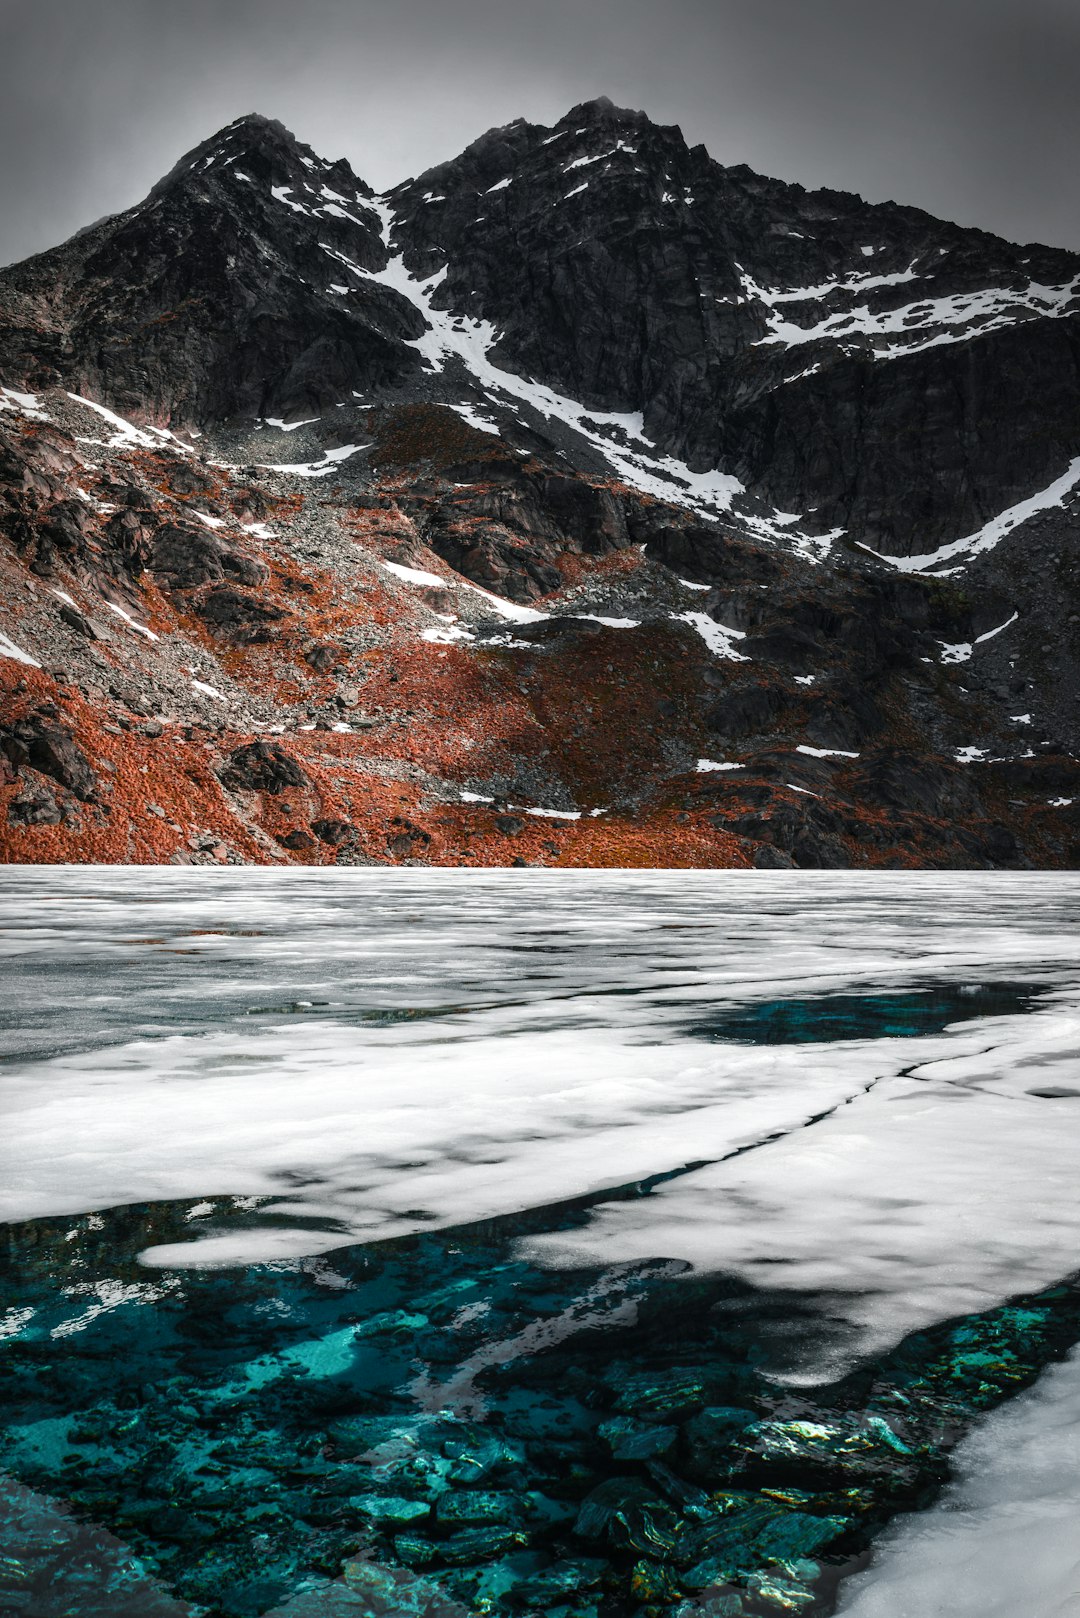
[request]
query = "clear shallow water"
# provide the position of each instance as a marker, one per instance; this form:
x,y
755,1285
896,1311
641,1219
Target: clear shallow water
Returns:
x,y
484,1243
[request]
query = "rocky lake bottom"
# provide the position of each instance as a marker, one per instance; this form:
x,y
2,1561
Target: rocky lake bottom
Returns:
x,y
585,1244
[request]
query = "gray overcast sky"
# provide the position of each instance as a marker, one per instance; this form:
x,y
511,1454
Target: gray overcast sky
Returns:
x,y
969,108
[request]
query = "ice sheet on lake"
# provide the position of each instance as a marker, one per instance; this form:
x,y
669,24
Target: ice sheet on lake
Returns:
x,y
386,1051
1004,1541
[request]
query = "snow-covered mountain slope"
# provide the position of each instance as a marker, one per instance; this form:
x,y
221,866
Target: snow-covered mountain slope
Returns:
x,y
582,501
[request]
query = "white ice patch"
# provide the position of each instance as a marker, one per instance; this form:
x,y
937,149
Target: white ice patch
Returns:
x,y
511,610
280,193
293,426
1003,1540
961,651
500,185
717,638
704,765
9,649
970,755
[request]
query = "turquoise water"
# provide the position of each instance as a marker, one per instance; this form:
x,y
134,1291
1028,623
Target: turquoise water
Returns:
x,y
827,1017
493,1414
250,1434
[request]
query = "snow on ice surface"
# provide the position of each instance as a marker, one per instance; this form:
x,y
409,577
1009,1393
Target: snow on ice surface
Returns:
x,y
9,649
1003,1542
517,1040
610,623
994,531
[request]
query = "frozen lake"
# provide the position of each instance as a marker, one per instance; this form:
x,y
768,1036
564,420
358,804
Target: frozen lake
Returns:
x,y
534,1242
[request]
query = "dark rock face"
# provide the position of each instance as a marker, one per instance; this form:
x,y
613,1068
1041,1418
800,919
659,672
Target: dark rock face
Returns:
x,y
36,807
236,616
184,558
299,840
262,767
810,836
40,741
335,833
224,275
833,354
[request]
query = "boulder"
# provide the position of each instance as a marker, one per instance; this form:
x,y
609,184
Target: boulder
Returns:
x,y
262,767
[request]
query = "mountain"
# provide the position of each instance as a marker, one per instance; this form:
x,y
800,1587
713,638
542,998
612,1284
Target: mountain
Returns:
x,y
581,501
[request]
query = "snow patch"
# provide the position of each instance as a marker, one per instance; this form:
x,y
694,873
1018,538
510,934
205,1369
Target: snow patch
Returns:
x,y
208,690
469,413
140,629
1054,495
24,404
824,752
718,639
319,469
9,649
293,426
414,575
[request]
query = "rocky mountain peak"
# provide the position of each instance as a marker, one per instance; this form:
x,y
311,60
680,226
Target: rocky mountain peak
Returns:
x,y
582,479
247,274
268,153
602,110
